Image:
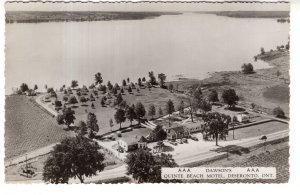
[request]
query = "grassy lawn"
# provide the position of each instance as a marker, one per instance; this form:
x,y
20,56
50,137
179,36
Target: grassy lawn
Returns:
x,y
280,93
156,96
257,130
27,127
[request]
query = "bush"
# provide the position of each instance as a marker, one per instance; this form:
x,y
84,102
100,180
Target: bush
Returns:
x,y
247,68
278,112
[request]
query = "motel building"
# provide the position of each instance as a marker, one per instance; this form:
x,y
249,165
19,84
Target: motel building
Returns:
x,y
133,143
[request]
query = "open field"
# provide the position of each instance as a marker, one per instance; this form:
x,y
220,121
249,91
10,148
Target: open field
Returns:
x,y
276,155
59,16
28,127
266,88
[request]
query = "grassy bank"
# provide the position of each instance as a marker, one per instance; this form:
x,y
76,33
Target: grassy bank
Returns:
x,y
266,88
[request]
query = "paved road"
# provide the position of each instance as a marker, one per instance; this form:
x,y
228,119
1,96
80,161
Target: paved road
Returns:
x,y
39,100
121,171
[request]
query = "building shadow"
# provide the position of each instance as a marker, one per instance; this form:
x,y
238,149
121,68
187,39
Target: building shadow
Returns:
x,y
232,149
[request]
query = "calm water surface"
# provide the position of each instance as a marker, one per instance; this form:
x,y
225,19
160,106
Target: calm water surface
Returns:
x,y
190,45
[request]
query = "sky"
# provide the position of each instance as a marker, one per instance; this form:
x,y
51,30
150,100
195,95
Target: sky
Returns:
x,y
146,6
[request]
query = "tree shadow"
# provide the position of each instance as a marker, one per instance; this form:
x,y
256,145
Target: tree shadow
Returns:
x,y
167,149
84,105
74,106
232,149
235,109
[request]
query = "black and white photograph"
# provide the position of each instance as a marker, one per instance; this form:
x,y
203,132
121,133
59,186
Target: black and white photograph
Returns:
x,y
141,92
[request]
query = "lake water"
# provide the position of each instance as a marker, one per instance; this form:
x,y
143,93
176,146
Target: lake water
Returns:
x,y
190,45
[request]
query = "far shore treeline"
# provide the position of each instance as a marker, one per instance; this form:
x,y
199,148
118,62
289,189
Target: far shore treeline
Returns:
x,y
80,16
77,16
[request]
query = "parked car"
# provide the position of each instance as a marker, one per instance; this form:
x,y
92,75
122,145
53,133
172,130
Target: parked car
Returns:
x,y
173,143
184,140
195,138
120,150
179,141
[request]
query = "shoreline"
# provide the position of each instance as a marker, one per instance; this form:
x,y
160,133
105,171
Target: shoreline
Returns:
x,y
258,88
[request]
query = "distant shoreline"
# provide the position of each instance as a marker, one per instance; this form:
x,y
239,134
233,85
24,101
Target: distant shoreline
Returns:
x,y
250,14
78,16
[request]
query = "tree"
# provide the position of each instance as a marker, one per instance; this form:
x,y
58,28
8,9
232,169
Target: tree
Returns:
x,y
92,98
129,89
35,87
145,167
213,96
111,124
83,100
122,91
171,87
130,114
98,78
140,111
152,78
109,85
117,86
74,84
102,102
120,116
128,80
216,124
124,83
91,123
162,77
287,46
119,99
65,98
92,86
73,157
158,134
73,100
151,111
262,51
82,128
181,107
170,109
67,117
144,79
57,103
50,90
278,112
103,88
140,82
229,97
123,105
160,111
205,106
247,68
24,87
60,119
